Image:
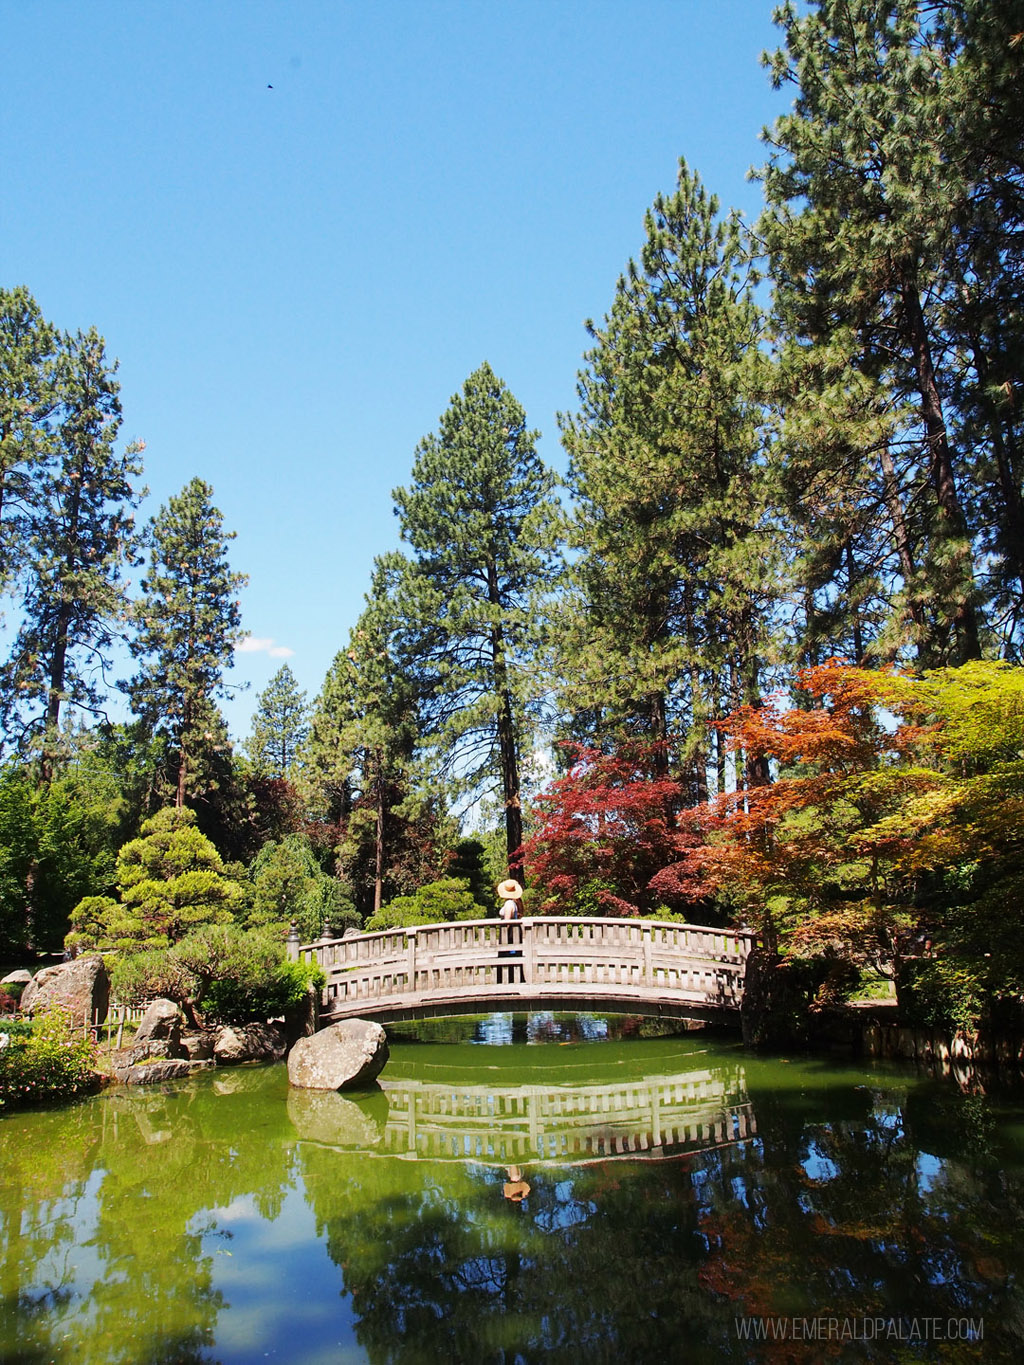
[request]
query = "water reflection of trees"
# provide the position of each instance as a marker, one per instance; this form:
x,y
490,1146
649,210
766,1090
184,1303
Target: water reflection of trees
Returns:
x,y
831,1210
105,1223
850,1201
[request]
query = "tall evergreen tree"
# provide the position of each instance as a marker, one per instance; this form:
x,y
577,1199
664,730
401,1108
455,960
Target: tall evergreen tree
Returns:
x,y
80,536
279,726
867,187
361,754
27,346
983,307
479,518
669,621
188,620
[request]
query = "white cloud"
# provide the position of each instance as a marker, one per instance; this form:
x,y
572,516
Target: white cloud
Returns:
x,y
256,644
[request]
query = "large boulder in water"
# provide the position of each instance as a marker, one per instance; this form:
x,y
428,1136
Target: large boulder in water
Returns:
x,y
82,987
344,1056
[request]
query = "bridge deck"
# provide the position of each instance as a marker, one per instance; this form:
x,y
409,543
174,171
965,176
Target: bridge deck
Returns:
x,y
639,966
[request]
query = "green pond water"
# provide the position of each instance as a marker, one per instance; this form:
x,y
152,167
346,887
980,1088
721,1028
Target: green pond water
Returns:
x,y
528,1191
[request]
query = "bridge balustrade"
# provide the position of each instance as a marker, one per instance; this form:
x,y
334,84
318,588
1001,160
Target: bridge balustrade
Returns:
x,y
651,966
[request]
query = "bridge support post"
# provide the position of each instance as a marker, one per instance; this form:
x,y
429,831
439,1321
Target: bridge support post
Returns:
x,y
410,957
529,951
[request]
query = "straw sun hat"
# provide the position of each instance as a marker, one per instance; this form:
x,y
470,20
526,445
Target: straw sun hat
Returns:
x,y
509,890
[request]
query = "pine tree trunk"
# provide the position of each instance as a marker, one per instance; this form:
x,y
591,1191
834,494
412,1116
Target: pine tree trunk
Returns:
x,y
901,535
506,740
756,771
951,514
1012,538
179,795
55,695
62,627
658,720
378,850
858,639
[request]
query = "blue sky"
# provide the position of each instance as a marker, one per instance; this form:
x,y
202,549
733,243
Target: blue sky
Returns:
x,y
296,280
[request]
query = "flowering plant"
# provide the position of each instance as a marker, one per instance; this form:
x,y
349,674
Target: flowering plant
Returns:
x,y
51,1063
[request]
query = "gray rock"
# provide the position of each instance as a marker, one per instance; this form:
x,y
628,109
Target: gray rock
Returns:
x,y
197,1047
343,1057
251,1043
161,1022
81,987
160,1069
19,978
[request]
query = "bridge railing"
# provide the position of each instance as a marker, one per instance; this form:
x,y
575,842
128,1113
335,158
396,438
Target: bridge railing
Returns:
x,y
489,960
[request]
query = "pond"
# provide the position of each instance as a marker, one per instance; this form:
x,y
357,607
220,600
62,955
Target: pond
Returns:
x,y
519,1191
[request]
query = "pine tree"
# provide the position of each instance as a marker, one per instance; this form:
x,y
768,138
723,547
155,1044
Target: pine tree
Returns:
x,y
80,535
279,727
27,346
983,306
188,620
866,188
479,519
361,754
669,621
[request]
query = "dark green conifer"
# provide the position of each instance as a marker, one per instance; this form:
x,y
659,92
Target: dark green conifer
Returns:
x,y
480,521
188,620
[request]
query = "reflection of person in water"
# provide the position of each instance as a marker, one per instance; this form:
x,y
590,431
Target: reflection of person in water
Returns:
x,y
510,893
515,1187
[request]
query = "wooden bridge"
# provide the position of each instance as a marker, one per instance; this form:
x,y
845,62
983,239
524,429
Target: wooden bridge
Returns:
x,y
624,966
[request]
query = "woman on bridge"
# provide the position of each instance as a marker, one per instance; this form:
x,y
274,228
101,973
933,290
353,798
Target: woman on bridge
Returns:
x,y
510,893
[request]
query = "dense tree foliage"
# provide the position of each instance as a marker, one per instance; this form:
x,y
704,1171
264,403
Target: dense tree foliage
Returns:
x,y
668,623
188,622
884,240
795,443
479,519
27,349
361,759
604,831
891,837
171,880
279,726
68,498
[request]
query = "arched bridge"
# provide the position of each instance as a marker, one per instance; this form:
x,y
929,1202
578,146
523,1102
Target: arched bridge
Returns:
x,y
633,966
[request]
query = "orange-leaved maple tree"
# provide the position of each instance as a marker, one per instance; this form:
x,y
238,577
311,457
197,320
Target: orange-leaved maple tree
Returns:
x,y
895,816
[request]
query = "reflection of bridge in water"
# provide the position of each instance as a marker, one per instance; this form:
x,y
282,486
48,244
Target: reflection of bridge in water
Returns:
x,y
654,1116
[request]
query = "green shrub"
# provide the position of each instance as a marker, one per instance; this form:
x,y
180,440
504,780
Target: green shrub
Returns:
x,y
227,974
436,903
51,1062
943,993
242,996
